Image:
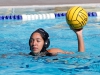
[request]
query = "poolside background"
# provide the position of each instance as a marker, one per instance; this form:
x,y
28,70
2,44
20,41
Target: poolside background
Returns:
x,y
19,7
44,2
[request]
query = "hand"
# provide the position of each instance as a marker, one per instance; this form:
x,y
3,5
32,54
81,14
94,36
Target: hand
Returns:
x,y
69,52
78,31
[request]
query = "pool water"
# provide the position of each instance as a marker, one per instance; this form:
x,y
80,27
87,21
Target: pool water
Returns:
x,y
14,47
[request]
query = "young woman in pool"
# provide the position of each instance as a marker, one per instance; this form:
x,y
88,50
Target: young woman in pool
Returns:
x,y
39,42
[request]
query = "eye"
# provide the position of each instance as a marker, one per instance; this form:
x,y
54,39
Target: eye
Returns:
x,y
31,40
38,40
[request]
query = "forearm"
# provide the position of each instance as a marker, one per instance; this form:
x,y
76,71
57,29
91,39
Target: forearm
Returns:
x,y
81,47
55,51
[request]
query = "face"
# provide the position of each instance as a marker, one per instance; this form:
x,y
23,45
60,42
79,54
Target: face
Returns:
x,y
36,43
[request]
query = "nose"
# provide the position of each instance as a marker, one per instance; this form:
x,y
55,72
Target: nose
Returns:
x,y
34,42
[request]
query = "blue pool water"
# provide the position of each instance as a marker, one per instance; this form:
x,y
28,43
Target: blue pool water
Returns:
x,y
14,36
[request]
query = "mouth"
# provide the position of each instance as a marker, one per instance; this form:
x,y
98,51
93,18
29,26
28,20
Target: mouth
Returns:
x,y
34,48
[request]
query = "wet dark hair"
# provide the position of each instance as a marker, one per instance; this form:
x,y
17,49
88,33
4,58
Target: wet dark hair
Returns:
x,y
45,37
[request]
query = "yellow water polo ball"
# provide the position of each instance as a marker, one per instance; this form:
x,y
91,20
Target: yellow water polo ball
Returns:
x,y
76,17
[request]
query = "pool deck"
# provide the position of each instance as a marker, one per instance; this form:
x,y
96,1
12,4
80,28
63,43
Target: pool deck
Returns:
x,y
44,2
13,6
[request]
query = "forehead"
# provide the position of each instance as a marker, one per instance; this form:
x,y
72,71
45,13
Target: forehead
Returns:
x,y
36,35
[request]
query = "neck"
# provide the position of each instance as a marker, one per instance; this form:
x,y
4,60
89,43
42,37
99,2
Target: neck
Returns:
x,y
38,54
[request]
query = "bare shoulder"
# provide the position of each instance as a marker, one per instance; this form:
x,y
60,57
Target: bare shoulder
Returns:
x,y
55,50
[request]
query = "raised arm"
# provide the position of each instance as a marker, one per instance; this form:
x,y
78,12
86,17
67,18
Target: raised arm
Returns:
x,y
79,34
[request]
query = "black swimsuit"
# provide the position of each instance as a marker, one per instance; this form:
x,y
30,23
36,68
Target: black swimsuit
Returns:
x,y
46,53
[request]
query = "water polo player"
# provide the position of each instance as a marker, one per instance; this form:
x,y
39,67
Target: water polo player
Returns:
x,y
39,42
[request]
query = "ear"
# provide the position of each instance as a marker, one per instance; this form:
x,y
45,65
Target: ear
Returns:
x,y
47,43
